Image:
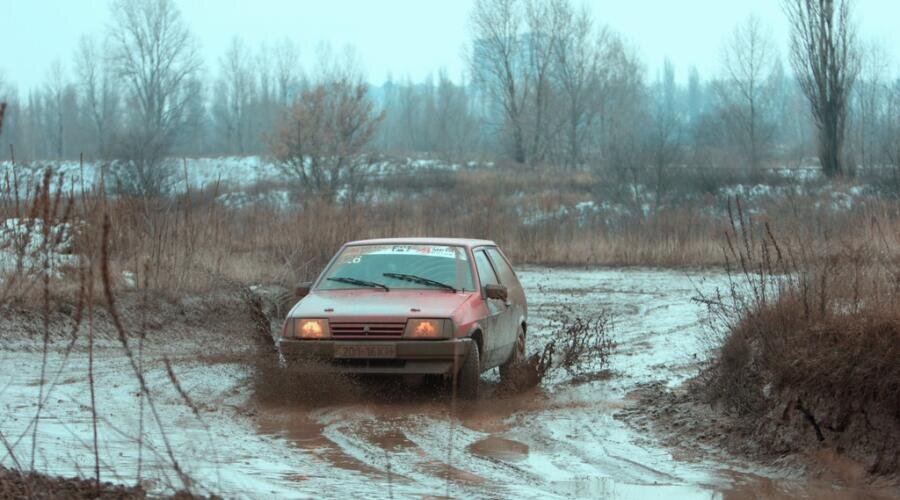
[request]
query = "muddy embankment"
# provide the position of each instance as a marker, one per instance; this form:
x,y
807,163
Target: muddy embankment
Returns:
x,y
854,456
233,429
14,484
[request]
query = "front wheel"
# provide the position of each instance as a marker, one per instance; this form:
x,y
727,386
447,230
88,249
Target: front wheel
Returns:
x,y
516,358
468,378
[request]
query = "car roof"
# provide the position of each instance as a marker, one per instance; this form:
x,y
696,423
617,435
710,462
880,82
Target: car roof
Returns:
x,y
465,242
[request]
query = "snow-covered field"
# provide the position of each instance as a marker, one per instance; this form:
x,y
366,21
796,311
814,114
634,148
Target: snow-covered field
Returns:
x,y
233,171
236,174
559,440
241,181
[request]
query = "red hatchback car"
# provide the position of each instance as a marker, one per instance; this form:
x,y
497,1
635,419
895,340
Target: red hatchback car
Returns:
x,y
430,306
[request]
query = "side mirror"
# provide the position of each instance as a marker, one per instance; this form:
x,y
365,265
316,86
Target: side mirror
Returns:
x,y
302,289
497,292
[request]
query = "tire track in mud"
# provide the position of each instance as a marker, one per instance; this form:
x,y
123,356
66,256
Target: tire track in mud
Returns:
x,y
581,452
310,436
403,449
391,444
465,447
404,441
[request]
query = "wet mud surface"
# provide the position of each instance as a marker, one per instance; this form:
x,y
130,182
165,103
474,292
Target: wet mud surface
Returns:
x,y
293,435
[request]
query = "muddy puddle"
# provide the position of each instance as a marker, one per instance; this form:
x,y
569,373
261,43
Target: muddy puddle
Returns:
x,y
559,440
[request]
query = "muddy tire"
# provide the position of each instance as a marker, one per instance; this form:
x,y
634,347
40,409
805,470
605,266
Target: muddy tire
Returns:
x,y
468,378
508,369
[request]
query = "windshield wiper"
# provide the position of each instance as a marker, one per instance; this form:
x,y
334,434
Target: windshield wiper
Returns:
x,y
354,281
420,280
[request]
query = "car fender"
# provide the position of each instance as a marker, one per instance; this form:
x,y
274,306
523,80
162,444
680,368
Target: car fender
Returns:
x,y
472,330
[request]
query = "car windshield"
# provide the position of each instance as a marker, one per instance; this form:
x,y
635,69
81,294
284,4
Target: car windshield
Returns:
x,y
432,267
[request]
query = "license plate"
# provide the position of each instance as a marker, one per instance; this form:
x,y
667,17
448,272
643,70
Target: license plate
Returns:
x,y
365,351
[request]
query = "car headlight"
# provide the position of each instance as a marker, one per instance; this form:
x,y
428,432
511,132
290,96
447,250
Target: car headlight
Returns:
x,y
311,329
428,329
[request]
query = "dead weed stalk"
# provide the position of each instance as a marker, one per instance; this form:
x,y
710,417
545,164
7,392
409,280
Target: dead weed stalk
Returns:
x,y
578,343
816,317
123,340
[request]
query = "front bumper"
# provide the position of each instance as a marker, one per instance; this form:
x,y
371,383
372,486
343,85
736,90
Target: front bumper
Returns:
x,y
413,357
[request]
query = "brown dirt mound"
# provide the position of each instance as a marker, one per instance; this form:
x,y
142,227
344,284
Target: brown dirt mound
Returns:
x,y
809,347
696,429
15,484
811,383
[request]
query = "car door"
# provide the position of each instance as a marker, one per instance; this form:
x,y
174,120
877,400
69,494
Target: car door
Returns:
x,y
515,312
492,325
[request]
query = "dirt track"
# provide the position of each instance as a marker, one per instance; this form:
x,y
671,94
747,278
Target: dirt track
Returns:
x,y
562,439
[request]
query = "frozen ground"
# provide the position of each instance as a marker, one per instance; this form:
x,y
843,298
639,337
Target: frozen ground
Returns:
x,y
560,440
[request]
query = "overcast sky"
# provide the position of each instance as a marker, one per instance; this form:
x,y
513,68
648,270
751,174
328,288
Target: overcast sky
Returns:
x,y
404,37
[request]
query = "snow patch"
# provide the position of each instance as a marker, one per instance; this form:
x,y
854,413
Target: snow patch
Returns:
x,y
28,247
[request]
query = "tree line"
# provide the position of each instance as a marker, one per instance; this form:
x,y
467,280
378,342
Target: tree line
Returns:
x,y
548,85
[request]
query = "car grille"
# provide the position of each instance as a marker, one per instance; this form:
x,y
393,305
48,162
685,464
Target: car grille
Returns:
x,y
367,330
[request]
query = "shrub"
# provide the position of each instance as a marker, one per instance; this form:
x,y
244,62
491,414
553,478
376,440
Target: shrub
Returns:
x,y
812,326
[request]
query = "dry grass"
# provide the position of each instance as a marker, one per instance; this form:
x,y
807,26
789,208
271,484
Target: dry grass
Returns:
x,y
810,310
192,242
814,324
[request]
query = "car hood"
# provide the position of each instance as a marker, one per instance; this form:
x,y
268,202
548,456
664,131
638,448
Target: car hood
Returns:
x,y
361,304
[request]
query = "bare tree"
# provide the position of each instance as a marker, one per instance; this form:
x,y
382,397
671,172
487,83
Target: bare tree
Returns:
x,y
891,130
54,124
236,89
436,118
288,73
336,65
321,142
869,102
455,126
748,61
664,133
543,26
155,55
623,118
577,72
496,61
97,89
410,115
694,93
268,106
18,120
826,63
194,134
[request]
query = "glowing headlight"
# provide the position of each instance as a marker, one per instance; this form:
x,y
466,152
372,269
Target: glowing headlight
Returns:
x,y
428,329
311,329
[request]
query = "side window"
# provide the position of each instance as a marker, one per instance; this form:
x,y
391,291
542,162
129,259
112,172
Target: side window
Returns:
x,y
485,271
507,276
